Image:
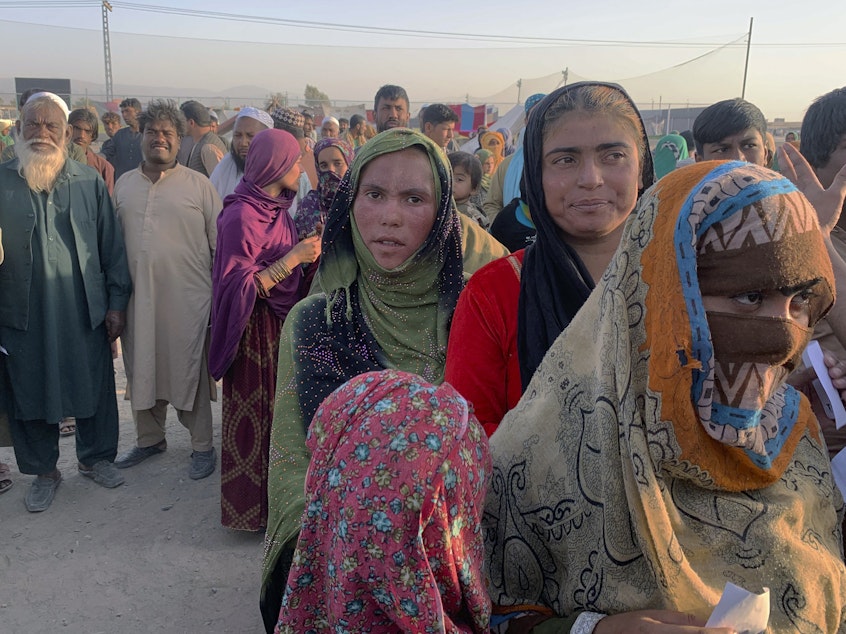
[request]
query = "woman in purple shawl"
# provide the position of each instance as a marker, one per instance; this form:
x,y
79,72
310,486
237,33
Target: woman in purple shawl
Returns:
x,y
257,278
332,158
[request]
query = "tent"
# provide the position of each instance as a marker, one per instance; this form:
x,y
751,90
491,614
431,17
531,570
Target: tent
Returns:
x,y
513,120
469,117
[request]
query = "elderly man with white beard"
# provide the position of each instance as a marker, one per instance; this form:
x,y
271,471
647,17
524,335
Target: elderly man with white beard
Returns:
x,y
249,122
64,290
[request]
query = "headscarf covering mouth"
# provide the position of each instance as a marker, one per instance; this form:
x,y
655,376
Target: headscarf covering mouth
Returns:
x,y
669,150
344,147
485,139
745,228
620,424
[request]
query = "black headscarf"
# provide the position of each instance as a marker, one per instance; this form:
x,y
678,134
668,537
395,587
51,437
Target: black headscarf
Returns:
x,y
554,282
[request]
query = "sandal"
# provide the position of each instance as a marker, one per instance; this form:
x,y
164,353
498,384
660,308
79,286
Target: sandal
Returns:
x,y
5,482
67,427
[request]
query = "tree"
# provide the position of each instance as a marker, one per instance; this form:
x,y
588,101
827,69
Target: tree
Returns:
x,y
315,97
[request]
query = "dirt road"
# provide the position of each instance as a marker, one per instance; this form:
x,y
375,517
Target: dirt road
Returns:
x,y
148,556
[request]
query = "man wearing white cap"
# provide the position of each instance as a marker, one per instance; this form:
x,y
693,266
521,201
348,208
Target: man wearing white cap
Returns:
x,y
228,173
8,151
63,296
330,129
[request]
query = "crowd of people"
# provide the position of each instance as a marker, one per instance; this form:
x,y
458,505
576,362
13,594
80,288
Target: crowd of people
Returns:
x,y
552,385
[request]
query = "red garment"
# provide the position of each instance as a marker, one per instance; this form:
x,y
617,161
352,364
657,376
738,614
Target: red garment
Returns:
x,y
481,361
104,169
248,389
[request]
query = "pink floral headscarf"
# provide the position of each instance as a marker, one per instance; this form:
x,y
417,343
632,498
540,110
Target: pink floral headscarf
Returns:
x,y
391,538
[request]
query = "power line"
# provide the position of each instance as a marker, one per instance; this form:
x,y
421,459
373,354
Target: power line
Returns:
x,y
416,33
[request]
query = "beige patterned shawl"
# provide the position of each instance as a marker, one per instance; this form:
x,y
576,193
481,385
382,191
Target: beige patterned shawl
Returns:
x,y
610,493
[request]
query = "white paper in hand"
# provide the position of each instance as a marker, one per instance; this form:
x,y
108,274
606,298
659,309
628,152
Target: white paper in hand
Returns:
x,y
741,610
830,397
838,470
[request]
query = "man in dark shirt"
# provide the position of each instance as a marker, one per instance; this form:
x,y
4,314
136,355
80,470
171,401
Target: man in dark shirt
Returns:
x,y
124,152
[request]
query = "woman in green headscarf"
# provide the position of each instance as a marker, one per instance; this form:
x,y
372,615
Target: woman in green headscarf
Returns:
x,y
395,257
486,158
669,150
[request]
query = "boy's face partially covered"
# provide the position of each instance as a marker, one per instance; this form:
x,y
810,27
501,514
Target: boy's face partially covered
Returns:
x,y
747,145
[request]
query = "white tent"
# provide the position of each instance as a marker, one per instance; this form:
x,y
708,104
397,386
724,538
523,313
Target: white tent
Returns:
x,y
514,120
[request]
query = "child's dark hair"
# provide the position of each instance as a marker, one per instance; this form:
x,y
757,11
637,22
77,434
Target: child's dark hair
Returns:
x,y
469,163
724,119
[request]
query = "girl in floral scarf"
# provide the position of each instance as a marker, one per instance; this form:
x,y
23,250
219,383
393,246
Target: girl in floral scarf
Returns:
x,y
390,538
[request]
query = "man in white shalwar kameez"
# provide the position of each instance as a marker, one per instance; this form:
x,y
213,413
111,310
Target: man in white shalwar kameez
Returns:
x,y
169,218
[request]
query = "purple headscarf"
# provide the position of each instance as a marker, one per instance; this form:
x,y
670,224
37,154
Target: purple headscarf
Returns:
x,y
253,231
316,203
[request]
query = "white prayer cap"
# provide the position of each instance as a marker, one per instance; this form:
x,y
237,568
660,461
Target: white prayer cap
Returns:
x,y
52,97
254,113
331,120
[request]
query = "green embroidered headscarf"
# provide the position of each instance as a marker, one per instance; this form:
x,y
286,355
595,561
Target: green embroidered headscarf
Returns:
x,y
408,308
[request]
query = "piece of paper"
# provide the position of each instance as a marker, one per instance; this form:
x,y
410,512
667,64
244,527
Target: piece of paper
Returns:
x,y
830,397
838,470
743,611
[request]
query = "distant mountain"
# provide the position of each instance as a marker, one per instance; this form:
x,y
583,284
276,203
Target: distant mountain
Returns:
x,y
237,95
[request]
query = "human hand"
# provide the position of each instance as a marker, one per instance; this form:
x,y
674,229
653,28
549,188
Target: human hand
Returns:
x,y
802,379
115,321
655,622
306,250
827,202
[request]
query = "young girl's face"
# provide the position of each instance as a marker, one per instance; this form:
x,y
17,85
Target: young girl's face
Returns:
x,y
462,187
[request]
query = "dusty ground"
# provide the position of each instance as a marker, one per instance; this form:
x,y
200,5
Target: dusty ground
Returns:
x,y
148,556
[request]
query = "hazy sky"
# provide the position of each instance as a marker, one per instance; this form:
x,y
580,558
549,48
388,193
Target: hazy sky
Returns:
x,y
787,67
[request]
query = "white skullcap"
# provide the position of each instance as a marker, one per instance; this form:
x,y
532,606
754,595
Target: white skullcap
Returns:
x,y
254,113
331,120
52,97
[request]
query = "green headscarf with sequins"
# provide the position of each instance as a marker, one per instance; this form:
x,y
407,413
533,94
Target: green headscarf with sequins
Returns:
x,y
408,308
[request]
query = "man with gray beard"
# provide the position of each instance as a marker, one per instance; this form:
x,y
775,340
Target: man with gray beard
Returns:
x,y
249,122
63,297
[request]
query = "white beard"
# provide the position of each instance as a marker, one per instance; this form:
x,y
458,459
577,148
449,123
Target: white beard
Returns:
x,y
40,168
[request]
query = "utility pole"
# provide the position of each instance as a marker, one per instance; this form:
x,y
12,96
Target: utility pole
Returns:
x,y
746,66
107,51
